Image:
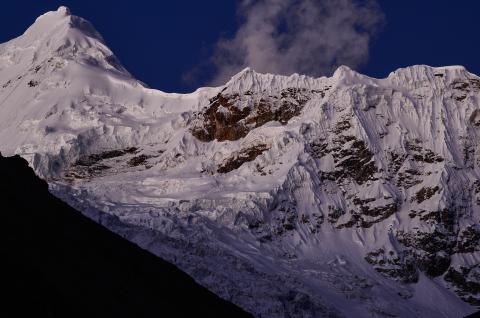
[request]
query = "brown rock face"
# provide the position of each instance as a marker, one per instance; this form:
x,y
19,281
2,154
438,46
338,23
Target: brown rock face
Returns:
x,y
231,117
246,155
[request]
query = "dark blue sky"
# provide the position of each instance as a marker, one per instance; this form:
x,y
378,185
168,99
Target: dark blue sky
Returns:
x,y
159,41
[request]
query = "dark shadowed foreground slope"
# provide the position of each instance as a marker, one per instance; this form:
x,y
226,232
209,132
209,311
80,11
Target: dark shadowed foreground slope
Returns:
x,y
57,263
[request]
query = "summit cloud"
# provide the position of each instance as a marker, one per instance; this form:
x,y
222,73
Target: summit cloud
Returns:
x,y
298,36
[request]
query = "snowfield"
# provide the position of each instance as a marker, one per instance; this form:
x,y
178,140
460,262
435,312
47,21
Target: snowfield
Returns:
x,y
345,196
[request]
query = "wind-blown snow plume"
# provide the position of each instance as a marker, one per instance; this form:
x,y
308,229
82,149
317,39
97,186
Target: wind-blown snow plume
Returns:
x,y
298,36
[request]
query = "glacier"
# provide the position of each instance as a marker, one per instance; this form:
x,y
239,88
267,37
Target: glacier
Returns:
x,y
290,196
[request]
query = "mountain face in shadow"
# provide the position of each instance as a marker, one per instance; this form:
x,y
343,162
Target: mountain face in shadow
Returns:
x,y
58,263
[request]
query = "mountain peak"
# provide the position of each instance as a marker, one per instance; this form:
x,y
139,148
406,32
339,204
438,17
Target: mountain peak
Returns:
x,y
248,80
49,21
54,46
58,23
344,71
247,72
63,10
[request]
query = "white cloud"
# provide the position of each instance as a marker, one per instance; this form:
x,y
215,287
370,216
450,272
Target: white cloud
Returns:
x,y
298,36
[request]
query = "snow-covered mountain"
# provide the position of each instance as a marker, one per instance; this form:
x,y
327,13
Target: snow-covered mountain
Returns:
x,y
345,196
61,264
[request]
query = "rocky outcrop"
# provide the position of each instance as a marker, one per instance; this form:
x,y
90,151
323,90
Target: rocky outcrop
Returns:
x,y
466,282
106,162
241,157
232,116
398,267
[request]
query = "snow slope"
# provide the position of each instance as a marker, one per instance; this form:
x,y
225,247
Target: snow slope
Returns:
x,y
346,196
61,264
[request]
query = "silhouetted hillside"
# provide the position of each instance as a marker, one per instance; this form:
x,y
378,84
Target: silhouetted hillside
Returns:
x,y
58,263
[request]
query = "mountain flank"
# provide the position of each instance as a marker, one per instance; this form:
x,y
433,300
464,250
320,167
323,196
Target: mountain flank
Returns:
x,y
58,263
